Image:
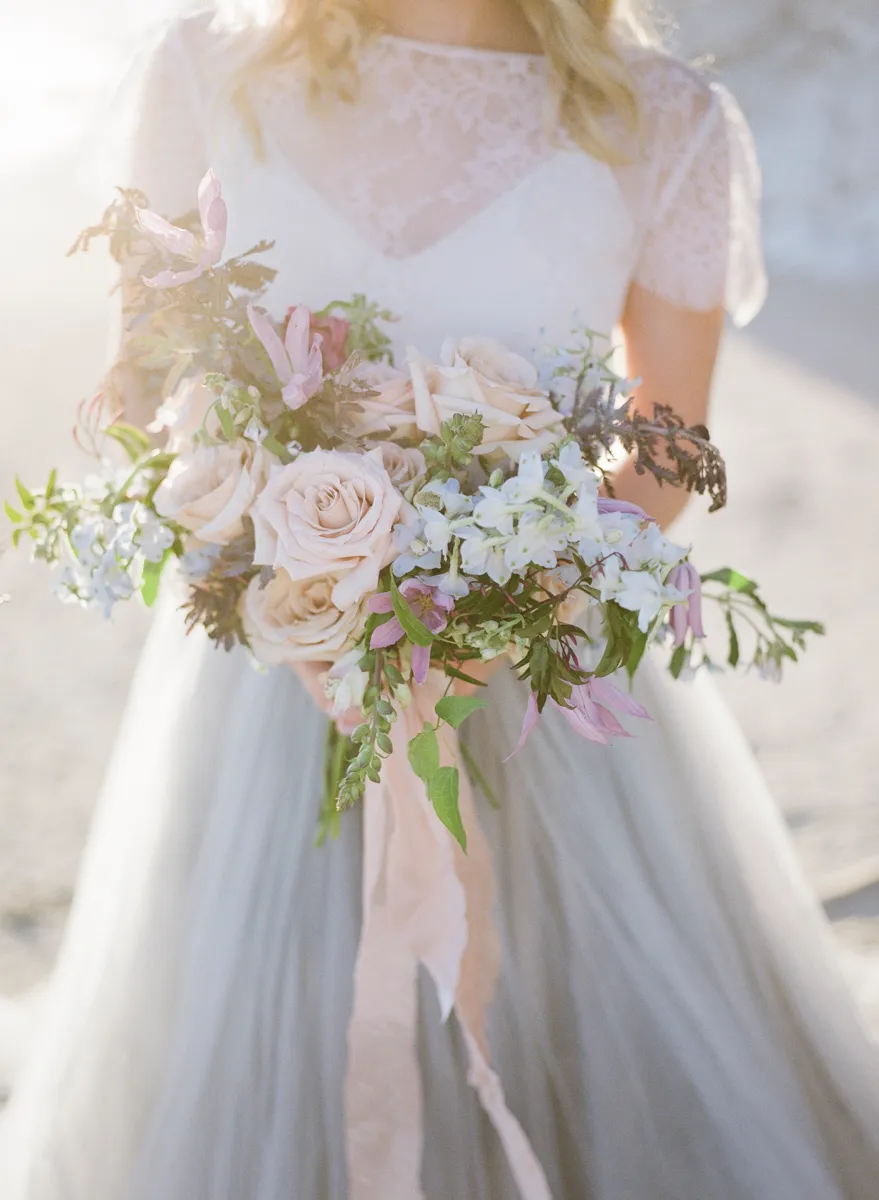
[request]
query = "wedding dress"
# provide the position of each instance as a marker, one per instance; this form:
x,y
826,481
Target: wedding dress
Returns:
x,y
669,1023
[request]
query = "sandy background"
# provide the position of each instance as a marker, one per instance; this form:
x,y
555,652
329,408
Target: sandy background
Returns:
x,y
796,411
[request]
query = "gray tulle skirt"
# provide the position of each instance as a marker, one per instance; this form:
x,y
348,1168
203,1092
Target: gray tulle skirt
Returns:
x,y
670,1023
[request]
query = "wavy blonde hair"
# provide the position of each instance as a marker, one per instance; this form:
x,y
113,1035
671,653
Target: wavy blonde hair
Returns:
x,y
580,39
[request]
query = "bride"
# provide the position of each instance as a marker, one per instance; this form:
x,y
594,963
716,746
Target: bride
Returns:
x,y
669,1023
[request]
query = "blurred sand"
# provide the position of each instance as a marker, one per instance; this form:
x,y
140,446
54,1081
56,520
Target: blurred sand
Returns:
x,y
797,414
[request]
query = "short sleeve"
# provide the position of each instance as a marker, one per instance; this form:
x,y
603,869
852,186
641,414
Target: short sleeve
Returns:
x,y
700,244
155,138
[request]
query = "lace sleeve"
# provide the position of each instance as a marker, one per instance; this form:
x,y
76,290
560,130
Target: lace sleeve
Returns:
x,y
701,244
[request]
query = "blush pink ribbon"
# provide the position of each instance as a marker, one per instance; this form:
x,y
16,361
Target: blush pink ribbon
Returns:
x,y
424,902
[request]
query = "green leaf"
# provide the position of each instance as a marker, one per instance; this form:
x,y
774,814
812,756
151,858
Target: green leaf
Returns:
x,y
133,441
413,628
455,710
27,498
636,653
733,658
14,516
424,754
50,486
454,673
152,574
800,626
677,660
611,658
735,581
273,446
442,791
226,423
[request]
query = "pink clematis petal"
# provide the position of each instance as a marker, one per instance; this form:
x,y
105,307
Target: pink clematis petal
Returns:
x,y
271,343
528,723
694,604
420,663
169,279
170,237
214,217
381,602
386,635
609,722
585,723
679,622
609,694
434,620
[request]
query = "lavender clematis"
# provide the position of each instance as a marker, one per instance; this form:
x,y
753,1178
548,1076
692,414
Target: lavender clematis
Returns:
x,y
297,360
608,505
590,713
428,604
686,616
204,252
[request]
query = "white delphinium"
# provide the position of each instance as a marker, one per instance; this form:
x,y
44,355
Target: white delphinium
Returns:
x,y
346,683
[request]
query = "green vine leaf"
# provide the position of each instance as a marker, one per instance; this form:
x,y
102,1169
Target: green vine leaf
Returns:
x,y
424,754
442,791
455,710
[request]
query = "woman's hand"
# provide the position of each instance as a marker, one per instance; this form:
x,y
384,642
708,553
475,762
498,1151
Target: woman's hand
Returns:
x,y
672,351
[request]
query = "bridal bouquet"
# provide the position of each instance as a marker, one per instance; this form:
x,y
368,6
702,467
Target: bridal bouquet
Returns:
x,y
376,522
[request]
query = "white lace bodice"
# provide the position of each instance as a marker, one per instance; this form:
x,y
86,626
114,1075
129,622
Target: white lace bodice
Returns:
x,y
446,194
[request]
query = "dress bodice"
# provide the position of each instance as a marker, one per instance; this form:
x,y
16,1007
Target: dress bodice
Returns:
x,y
445,193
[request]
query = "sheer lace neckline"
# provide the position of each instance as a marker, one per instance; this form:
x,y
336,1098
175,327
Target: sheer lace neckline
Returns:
x,y
453,50
436,137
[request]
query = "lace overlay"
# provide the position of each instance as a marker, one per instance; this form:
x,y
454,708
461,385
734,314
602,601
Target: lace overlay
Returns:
x,y
445,141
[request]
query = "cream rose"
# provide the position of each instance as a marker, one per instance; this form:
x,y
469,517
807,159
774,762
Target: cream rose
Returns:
x,y
390,409
404,465
329,512
209,489
294,620
481,377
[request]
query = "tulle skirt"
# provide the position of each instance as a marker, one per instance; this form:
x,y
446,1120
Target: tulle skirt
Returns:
x,y
670,1023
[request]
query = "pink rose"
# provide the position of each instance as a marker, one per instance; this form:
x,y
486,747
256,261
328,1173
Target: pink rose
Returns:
x,y
390,410
404,464
329,512
295,620
209,490
482,377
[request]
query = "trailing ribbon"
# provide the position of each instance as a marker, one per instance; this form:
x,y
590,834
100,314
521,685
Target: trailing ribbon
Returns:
x,y
424,901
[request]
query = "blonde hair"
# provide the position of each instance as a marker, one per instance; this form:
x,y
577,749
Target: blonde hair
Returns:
x,y
580,39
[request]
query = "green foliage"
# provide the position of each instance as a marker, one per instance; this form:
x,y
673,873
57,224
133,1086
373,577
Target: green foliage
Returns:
x,y
415,630
455,710
451,451
442,791
423,753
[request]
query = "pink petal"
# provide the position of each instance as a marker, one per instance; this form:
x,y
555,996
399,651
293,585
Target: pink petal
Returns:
x,y
212,210
304,352
271,343
607,693
583,725
169,279
679,622
609,722
381,602
694,605
606,505
434,620
528,723
420,663
171,237
413,587
386,635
